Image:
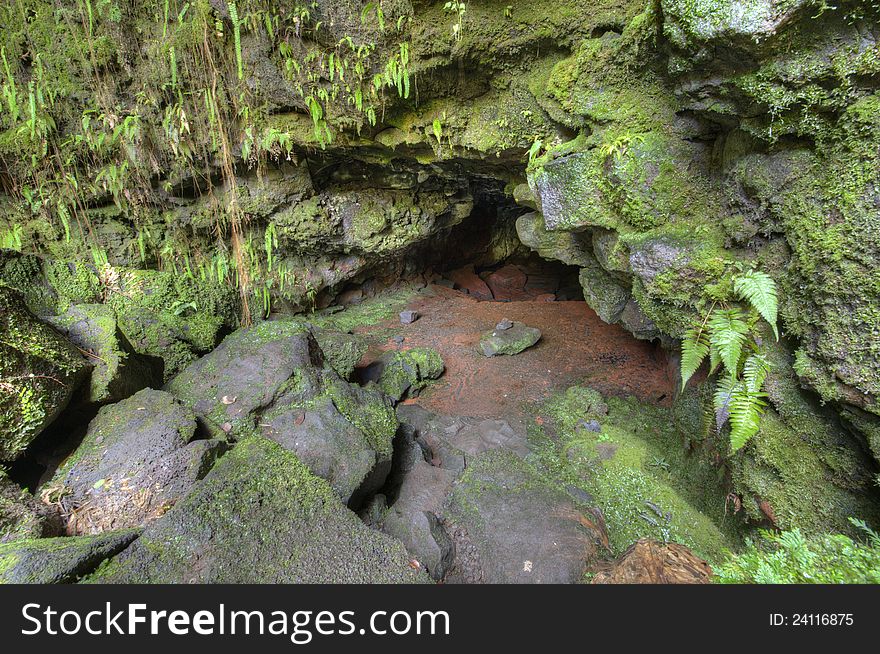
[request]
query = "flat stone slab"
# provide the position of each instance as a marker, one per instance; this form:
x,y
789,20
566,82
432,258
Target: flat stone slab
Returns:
x,y
513,340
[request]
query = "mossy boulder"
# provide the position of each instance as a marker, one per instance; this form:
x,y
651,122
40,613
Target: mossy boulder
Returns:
x,y
260,516
469,508
407,371
245,372
342,351
517,338
39,372
275,374
137,460
23,516
119,371
640,471
605,294
173,317
58,560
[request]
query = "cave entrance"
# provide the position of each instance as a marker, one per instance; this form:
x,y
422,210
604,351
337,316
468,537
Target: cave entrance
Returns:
x,y
478,274
481,257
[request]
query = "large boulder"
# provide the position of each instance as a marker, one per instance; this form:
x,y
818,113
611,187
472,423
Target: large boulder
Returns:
x,y
137,460
469,508
274,375
260,516
39,373
119,371
59,560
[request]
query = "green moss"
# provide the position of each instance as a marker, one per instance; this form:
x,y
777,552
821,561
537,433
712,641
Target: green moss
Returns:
x,y
638,469
369,411
58,560
260,514
410,371
39,371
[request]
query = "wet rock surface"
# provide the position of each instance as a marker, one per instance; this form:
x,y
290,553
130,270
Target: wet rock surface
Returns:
x,y
471,509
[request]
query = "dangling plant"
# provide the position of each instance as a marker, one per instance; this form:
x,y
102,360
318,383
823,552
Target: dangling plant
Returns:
x,y
728,336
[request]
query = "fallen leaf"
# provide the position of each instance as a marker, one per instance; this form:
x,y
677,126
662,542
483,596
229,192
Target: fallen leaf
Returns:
x,y
300,419
228,400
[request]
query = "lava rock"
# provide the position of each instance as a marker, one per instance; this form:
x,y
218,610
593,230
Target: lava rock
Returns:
x,y
405,372
509,524
467,280
408,317
510,341
260,516
23,516
59,560
119,371
39,372
590,425
136,461
277,375
508,284
469,508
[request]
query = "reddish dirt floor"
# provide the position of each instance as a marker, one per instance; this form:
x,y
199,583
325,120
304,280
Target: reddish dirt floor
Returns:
x,y
576,348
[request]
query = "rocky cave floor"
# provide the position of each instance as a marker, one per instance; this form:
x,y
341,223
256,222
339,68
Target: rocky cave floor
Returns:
x,y
560,462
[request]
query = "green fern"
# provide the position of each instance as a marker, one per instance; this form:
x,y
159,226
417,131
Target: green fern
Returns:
x,y
759,290
236,32
728,331
741,401
694,349
726,336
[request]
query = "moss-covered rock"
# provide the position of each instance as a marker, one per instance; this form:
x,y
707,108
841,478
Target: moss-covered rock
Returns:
x,y
39,373
274,374
634,463
342,351
408,371
137,460
22,516
58,560
118,371
260,516
516,338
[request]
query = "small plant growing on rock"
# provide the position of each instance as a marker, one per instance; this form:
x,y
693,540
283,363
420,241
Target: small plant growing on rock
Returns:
x,y
729,336
457,9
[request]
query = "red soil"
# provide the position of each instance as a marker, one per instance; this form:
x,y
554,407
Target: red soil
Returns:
x,y
576,348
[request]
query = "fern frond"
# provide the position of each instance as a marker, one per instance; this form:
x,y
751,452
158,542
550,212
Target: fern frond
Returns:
x,y
746,409
727,332
694,348
755,372
724,390
759,290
